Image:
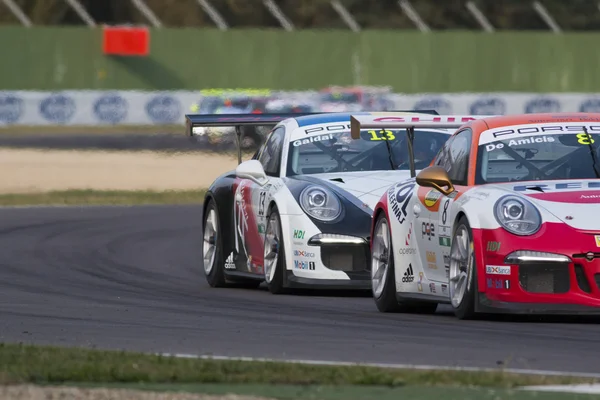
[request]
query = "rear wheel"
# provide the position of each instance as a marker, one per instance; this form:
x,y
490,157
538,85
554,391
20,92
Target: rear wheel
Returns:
x,y
463,274
274,254
383,275
212,247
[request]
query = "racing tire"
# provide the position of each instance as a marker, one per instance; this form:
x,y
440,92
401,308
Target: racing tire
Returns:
x,y
212,247
385,296
464,304
274,269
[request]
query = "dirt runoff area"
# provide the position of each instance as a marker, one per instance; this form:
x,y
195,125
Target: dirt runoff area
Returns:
x,y
30,392
29,170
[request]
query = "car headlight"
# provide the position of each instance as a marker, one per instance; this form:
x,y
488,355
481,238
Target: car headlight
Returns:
x,y
320,203
517,215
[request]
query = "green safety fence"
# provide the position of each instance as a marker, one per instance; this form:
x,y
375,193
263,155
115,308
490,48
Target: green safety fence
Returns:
x,y
52,58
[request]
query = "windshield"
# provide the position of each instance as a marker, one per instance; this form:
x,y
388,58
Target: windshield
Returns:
x,y
546,156
344,97
338,152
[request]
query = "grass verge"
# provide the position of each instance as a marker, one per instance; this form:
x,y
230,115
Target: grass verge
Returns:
x,y
52,365
103,197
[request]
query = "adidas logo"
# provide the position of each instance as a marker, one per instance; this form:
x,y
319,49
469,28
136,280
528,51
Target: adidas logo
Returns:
x,y
408,275
229,263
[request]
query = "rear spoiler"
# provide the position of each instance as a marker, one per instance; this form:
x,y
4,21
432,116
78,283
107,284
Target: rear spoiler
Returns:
x,y
238,120
358,122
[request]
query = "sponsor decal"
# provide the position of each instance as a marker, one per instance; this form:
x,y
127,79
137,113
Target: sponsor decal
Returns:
x,y
164,109
442,106
519,142
432,197
444,216
407,251
398,200
488,106
498,283
478,195
431,260
229,263
497,269
420,282
445,241
409,276
428,230
318,138
111,108
407,241
493,246
444,288
590,106
308,131
542,105
597,237
541,129
262,228
559,186
590,197
298,234
11,109
305,265
431,257
57,108
446,259
432,287
303,253
261,203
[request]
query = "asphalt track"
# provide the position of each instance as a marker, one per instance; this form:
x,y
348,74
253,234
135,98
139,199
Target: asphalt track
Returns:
x,y
130,278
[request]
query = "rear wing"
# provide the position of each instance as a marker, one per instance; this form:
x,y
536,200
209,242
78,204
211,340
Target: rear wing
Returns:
x,y
359,122
193,121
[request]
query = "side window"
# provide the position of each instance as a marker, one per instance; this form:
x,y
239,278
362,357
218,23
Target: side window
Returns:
x,y
270,155
458,153
443,157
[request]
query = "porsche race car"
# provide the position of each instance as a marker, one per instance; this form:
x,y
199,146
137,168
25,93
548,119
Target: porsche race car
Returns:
x,y
298,214
504,220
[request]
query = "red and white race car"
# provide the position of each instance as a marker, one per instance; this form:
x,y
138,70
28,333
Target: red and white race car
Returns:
x,y
505,219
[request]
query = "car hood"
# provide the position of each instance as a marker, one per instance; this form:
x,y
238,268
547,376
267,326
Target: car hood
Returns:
x,y
574,202
368,186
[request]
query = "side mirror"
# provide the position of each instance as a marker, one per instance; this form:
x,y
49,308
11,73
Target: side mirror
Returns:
x,y
252,169
437,178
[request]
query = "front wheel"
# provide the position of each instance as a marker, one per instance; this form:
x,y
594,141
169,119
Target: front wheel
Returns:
x,y
274,254
383,275
463,274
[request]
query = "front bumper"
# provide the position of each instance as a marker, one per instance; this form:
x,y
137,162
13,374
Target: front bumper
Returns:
x,y
330,261
538,283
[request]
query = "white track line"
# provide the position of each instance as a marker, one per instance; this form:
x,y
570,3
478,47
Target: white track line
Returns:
x,y
395,366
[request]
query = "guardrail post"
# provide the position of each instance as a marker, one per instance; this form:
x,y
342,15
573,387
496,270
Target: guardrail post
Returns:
x,y
279,15
147,12
345,15
412,14
82,12
213,14
17,12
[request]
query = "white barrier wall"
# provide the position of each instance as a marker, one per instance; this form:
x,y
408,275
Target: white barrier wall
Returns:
x,y
159,108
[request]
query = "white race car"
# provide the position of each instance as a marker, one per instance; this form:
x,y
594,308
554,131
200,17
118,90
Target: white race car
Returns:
x,y
298,214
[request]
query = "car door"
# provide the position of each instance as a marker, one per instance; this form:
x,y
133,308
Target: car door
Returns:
x,y
427,229
454,158
251,200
